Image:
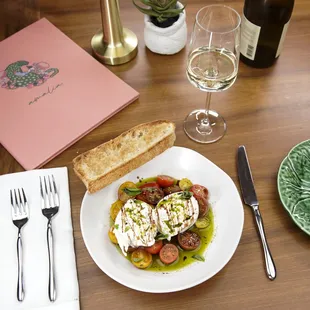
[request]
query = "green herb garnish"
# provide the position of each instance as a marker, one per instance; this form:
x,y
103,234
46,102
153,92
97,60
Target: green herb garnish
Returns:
x,y
161,237
132,191
178,225
198,257
185,195
127,228
168,225
116,226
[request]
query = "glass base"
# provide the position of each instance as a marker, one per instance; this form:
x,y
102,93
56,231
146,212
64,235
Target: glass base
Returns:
x,y
202,132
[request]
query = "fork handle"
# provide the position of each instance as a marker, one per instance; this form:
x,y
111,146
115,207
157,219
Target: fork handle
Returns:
x,y
270,266
51,281
20,278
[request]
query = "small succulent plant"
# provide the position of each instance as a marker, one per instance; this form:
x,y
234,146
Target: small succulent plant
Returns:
x,y
159,9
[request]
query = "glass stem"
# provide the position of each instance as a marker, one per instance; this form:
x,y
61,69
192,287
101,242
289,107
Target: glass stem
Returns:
x,y
204,125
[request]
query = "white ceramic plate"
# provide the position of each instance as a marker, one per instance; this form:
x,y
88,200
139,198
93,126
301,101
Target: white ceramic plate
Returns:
x,y
228,219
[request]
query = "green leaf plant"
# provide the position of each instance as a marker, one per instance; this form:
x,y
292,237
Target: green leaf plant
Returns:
x,y
160,9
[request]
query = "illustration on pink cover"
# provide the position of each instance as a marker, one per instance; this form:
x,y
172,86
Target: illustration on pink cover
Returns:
x,y
21,74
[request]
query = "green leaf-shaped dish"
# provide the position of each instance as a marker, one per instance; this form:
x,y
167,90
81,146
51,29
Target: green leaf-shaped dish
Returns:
x,y
294,184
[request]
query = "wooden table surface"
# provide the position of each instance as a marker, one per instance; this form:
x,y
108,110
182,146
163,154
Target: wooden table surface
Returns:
x,y
267,110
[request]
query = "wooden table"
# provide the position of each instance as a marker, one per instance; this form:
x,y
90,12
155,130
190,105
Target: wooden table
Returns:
x,y
266,110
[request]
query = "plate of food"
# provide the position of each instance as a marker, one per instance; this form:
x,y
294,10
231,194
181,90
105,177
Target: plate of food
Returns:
x,y
167,225
294,184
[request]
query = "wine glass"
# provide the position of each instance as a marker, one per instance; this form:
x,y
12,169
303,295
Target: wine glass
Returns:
x,y
212,66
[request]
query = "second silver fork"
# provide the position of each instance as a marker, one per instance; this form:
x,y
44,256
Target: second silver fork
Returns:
x,y
50,207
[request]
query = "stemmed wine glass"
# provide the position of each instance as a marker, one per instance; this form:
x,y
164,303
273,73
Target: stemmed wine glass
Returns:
x,y
212,66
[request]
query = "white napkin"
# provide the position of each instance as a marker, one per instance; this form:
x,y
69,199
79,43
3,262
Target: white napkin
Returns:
x,y
35,255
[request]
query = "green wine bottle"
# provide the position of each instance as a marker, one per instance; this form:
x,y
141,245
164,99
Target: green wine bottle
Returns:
x,y
263,30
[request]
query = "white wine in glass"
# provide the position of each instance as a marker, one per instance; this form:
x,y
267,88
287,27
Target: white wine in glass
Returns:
x,y
212,66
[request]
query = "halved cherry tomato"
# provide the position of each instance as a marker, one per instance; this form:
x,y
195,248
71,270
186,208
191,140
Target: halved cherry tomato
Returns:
x,y
149,184
165,180
115,208
202,222
112,235
155,248
141,258
142,197
201,194
189,240
121,194
153,195
203,206
185,184
169,253
171,189
199,191
131,249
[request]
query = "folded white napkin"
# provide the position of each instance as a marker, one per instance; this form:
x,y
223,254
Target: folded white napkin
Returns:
x,y
35,255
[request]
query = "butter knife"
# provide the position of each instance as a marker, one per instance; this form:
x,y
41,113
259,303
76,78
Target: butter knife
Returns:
x,y
250,199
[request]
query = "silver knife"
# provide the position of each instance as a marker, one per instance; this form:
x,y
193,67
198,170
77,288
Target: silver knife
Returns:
x,y
250,199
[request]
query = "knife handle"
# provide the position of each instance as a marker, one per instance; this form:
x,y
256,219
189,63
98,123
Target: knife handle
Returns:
x,y
270,266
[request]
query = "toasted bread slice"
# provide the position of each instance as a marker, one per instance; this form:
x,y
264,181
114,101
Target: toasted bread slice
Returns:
x,y
110,161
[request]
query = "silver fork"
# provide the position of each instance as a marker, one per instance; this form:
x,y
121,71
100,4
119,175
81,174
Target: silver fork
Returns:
x,y
20,215
50,207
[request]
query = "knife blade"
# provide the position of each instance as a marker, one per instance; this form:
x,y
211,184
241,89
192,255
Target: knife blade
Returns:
x,y
250,199
245,178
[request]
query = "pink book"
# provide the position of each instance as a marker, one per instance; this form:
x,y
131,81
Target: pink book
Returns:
x,y
52,93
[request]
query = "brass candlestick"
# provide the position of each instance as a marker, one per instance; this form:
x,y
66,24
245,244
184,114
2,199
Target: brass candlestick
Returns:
x,y
114,45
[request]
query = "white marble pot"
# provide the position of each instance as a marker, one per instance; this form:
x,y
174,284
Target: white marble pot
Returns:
x,y
166,41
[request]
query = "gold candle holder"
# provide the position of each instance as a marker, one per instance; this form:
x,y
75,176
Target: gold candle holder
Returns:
x,y
113,45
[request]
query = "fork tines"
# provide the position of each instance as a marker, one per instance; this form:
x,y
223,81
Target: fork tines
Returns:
x,y
19,203
49,194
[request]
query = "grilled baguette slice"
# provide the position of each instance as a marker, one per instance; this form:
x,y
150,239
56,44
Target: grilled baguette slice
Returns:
x,y
110,161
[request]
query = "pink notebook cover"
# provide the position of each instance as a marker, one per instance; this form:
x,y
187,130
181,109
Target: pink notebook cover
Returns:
x,y
52,93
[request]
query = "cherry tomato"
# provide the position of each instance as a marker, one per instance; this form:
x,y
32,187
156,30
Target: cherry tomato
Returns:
x,y
142,197
155,248
203,222
199,191
165,180
171,189
149,184
141,258
131,249
153,195
112,235
169,253
185,184
115,208
121,194
189,240
201,194
203,206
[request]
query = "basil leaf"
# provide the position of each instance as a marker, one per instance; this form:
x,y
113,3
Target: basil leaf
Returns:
x,y
185,195
116,226
198,257
137,260
127,228
161,237
132,191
